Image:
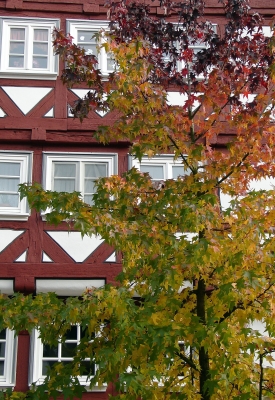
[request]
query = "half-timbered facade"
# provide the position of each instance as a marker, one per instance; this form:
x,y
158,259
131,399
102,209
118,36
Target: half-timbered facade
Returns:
x,y
41,142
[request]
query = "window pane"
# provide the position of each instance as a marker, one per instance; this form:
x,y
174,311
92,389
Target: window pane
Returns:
x,y
89,186
50,351
46,365
72,333
9,169
90,49
9,184
16,61
68,349
64,177
84,332
9,200
87,367
64,185
88,198
17,47
17,33
41,35
2,349
178,170
155,171
110,62
64,170
85,36
40,48
85,40
40,62
95,170
2,367
3,334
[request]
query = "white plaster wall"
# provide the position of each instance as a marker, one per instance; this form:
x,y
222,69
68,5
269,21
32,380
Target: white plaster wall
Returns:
x,y
77,247
26,97
7,236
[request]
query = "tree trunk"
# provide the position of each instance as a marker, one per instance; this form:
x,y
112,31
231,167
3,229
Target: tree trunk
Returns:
x,y
203,354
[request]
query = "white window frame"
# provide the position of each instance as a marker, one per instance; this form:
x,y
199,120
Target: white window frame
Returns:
x,y
25,159
80,158
62,287
35,371
7,380
74,25
165,160
28,72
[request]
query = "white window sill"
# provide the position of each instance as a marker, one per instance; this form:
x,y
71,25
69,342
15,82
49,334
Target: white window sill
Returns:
x,y
14,217
96,388
5,386
83,382
29,75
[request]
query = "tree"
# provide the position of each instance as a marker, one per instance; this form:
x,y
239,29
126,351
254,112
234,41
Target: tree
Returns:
x,y
179,322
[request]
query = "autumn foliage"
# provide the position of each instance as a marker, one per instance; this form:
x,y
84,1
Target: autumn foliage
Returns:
x,y
180,324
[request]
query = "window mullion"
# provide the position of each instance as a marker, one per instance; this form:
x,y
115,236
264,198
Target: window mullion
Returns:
x,y
23,171
80,177
102,58
59,351
168,170
50,49
78,334
29,47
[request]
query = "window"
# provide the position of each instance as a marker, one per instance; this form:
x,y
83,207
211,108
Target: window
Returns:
x,y
42,356
83,33
27,48
196,47
160,167
181,64
15,168
77,171
7,358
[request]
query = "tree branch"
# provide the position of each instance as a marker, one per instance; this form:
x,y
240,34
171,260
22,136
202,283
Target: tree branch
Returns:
x,y
187,361
240,306
232,170
184,158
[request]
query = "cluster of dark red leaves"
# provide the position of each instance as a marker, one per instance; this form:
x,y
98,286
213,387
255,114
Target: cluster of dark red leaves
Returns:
x,y
242,50
80,67
172,43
